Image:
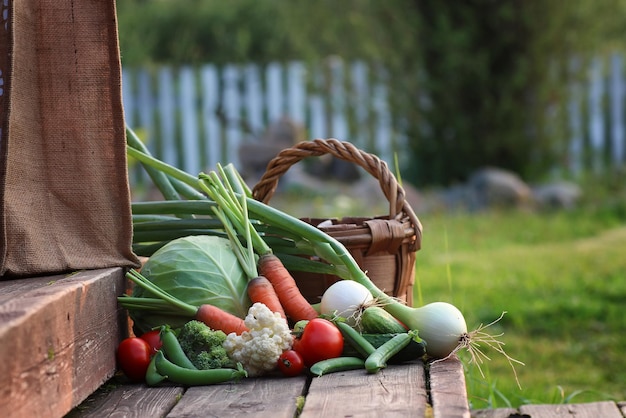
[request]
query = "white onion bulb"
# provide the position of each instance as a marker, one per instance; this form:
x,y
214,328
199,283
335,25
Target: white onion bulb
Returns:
x,y
442,326
344,298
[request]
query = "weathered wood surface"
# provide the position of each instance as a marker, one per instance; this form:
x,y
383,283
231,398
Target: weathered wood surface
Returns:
x,y
495,413
58,336
128,401
447,389
263,397
396,391
584,410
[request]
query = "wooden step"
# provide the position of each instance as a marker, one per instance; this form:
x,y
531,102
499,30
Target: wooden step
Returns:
x,y
58,336
604,409
403,390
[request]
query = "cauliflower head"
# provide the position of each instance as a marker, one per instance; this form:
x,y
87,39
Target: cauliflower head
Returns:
x,y
259,348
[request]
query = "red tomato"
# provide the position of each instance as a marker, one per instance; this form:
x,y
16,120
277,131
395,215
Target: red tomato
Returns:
x,y
133,357
320,340
154,339
290,363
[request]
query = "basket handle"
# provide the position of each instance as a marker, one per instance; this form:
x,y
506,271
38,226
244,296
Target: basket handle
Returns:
x,y
398,206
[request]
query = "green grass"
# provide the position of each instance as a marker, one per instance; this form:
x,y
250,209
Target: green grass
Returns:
x,y
561,278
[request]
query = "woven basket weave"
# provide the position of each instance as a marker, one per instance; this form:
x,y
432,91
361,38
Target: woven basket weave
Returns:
x,y
383,246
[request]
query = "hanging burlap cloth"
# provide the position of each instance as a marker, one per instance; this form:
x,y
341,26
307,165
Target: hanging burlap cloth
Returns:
x,y
64,195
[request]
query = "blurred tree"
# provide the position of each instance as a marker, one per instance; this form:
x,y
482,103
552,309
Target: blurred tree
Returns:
x,y
472,83
493,74
200,31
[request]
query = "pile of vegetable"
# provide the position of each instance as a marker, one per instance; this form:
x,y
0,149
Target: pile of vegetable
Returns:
x,y
218,292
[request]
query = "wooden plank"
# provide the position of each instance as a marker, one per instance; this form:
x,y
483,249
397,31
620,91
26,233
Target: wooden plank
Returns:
x,y
296,92
397,391
253,102
61,336
360,94
128,401
271,397
232,106
596,114
617,93
210,96
495,413
448,393
165,146
584,410
338,100
383,130
145,107
189,121
275,95
14,289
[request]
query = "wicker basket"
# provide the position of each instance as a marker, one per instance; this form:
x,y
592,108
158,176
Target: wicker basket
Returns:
x,y
383,246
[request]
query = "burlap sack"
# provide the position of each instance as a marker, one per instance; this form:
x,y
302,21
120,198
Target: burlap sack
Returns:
x,y
64,195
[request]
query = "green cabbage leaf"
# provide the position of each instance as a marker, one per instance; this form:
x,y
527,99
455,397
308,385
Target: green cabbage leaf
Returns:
x,y
200,269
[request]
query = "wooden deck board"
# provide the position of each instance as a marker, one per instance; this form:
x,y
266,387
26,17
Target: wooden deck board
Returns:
x,y
448,393
129,401
270,397
585,410
605,409
397,391
494,413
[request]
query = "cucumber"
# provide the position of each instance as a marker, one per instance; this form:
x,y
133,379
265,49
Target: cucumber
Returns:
x,y
376,320
413,351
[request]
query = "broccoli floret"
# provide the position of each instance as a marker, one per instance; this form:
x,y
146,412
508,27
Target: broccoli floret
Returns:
x,y
204,346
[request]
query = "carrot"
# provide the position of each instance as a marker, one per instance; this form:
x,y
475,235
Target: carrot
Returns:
x,y
232,210
294,304
217,318
261,290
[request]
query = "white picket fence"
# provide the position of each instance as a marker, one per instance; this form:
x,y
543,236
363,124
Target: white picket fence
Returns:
x,y
597,117
194,117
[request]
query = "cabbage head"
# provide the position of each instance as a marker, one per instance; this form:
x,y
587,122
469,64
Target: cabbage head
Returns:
x,y
201,269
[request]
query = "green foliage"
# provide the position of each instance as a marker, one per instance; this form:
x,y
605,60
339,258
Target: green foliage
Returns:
x,y
495,84
204,346
200,31
472,83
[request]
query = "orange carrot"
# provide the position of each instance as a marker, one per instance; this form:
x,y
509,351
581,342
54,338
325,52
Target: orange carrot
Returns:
x,y
261,290
295,305
217,318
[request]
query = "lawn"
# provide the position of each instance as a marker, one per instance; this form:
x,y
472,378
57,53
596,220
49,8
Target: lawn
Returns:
x,y
560,277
